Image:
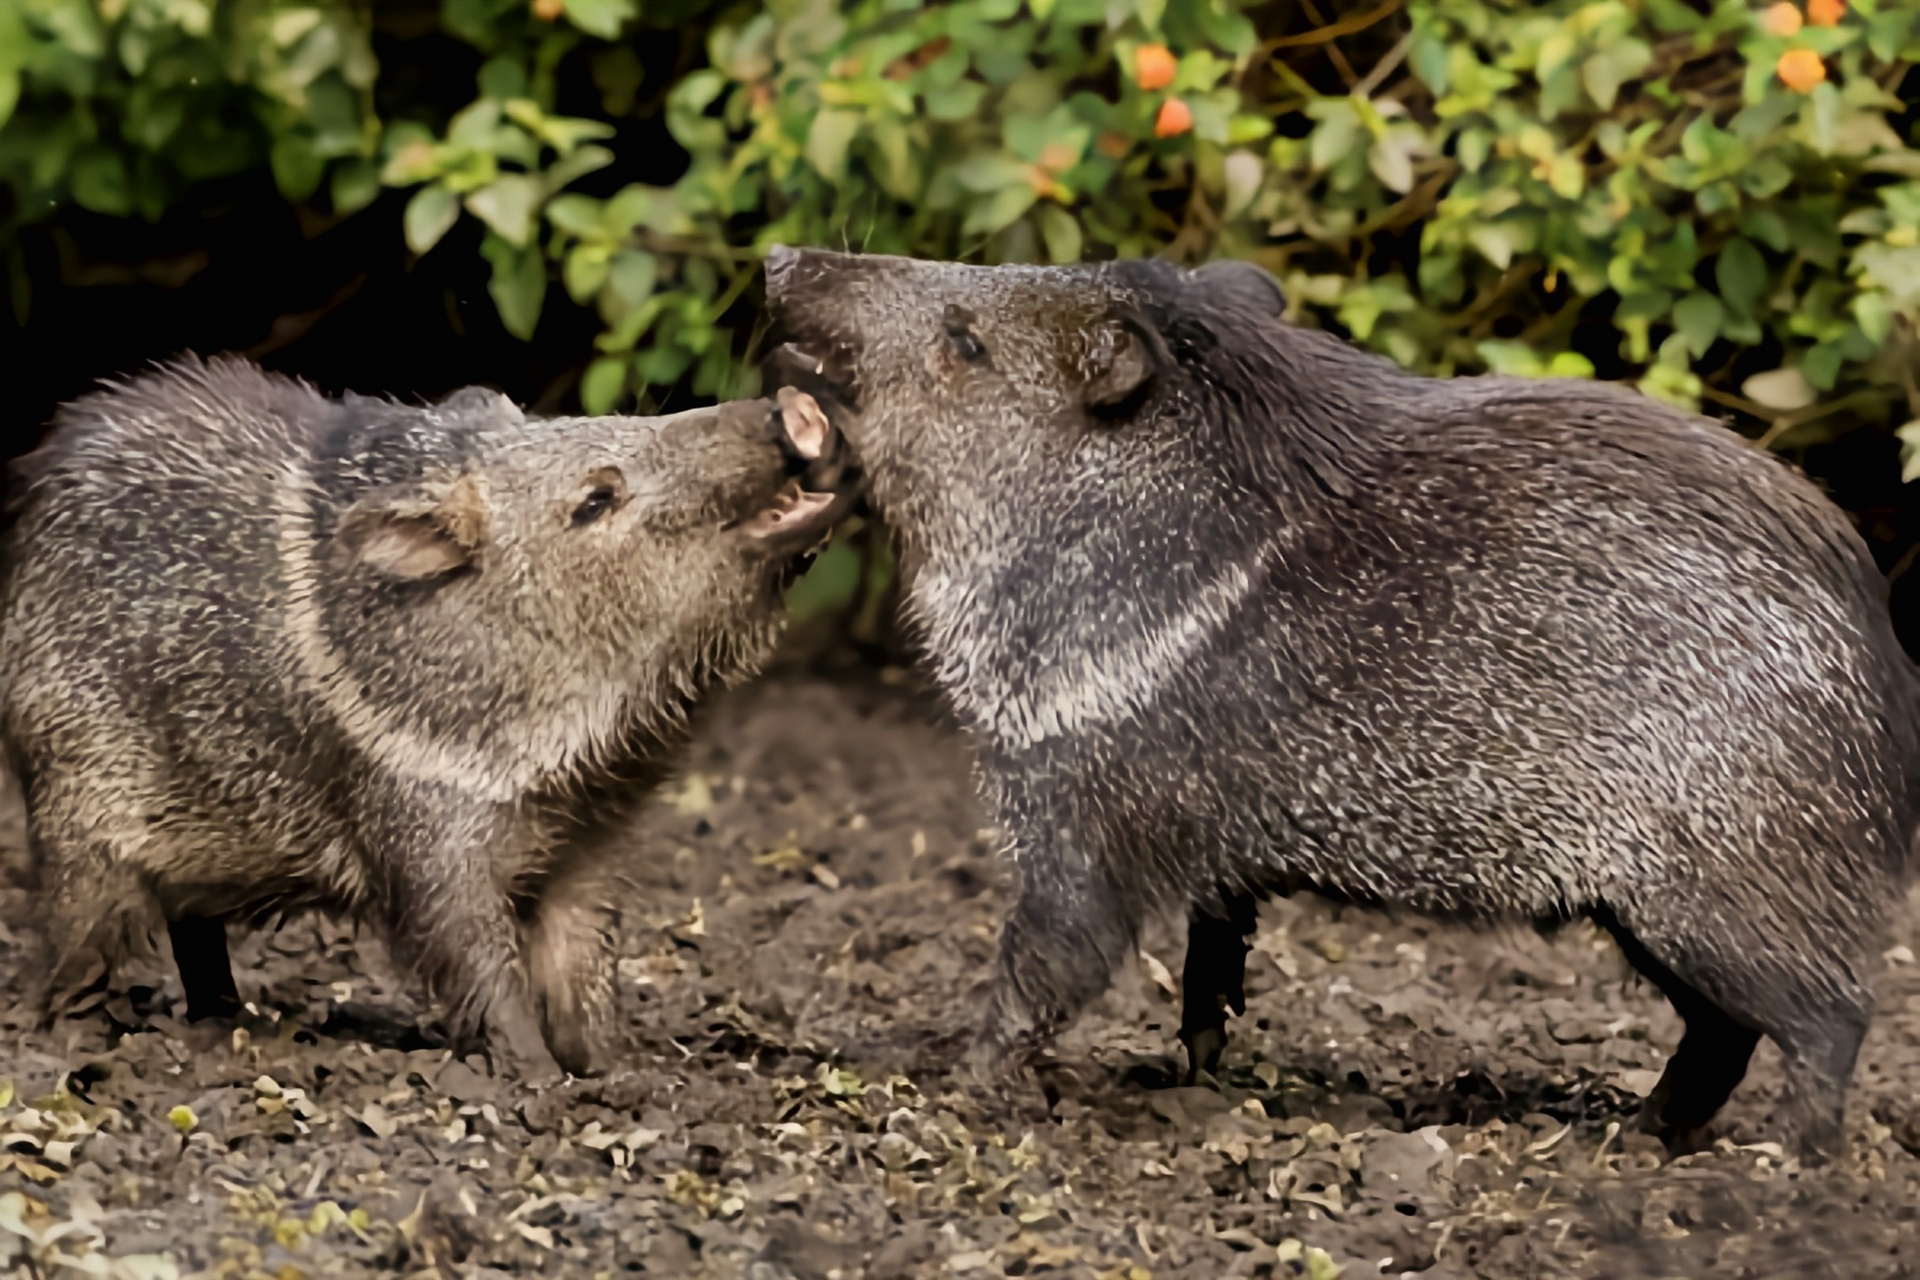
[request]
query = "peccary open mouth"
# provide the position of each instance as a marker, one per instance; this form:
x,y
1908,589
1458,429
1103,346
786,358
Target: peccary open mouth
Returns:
x,y
821,487
824,370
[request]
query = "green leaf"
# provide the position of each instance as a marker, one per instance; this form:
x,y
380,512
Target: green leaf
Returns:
x,y
828,138
573,167
1514,359
1604,72
355,184
1427,55
1784,389
1697,316
998,211
1896,269
100,182
1244,173
829,586
518,284
576,215
1061,232
600,17
1822,365
9,91
1826,116
1741,274
1874,315
1336,135
631,280
430,214
586,271
602,385
989,171
297,170
1391,159
1497,242
508,205
289,25
663,364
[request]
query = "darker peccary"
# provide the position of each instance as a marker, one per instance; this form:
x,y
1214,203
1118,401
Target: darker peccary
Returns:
x,y
1236,609
262,650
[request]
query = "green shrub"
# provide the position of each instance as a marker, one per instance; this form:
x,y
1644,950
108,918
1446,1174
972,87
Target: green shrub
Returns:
x,y
1540,188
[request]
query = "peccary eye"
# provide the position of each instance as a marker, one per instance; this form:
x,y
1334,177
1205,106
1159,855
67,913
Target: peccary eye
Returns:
x,y
959,325
596,504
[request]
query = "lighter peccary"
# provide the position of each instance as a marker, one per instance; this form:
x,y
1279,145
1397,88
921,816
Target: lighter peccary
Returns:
x,y
1233,608
264,651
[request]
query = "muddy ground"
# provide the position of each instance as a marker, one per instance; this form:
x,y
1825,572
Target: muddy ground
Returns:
x,y
818,909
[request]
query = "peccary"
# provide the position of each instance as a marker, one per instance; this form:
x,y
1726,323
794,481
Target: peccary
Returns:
x,y
264,651
1233,609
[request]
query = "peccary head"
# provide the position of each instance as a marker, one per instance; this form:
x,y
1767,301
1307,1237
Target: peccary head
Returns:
x,y
970,390
1079,448
493,600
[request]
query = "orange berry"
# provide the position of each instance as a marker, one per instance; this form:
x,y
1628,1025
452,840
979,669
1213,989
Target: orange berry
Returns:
x,y
549,10
1826,13
1175,118
1057,157
1153,67
1781,19
1801,69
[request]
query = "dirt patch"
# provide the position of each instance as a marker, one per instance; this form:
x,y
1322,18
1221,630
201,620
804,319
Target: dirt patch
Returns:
x,y
818,912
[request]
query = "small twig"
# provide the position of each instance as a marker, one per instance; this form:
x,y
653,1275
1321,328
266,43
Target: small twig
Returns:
x,y
1334,55
1732,401
1332,31
1814,412
1385,67
289,329
687,247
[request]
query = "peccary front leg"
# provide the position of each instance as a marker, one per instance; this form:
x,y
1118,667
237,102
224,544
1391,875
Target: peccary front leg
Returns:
x,y
1071,927
451,920
96,909
570,960
1214,978
206,971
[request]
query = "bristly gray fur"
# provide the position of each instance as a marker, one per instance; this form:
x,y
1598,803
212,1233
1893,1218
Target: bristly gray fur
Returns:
x,y
1233,608
263,650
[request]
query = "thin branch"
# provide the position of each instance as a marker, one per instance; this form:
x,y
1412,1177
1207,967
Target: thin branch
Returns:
x,y
1385,67
1334,55
1332,31
1814,412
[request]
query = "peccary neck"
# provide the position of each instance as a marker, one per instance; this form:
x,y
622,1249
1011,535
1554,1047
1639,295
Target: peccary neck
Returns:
x,y
1077,608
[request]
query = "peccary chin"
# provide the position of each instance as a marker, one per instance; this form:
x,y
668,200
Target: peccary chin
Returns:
x,y
1234,607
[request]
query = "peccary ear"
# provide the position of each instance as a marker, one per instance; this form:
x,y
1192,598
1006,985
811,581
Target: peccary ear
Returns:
x,y
1121,369
419,532
1241,284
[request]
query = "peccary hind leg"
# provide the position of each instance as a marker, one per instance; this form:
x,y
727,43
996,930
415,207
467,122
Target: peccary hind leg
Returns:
x,y
206,971
1809,1004
1704,1070
1213,980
